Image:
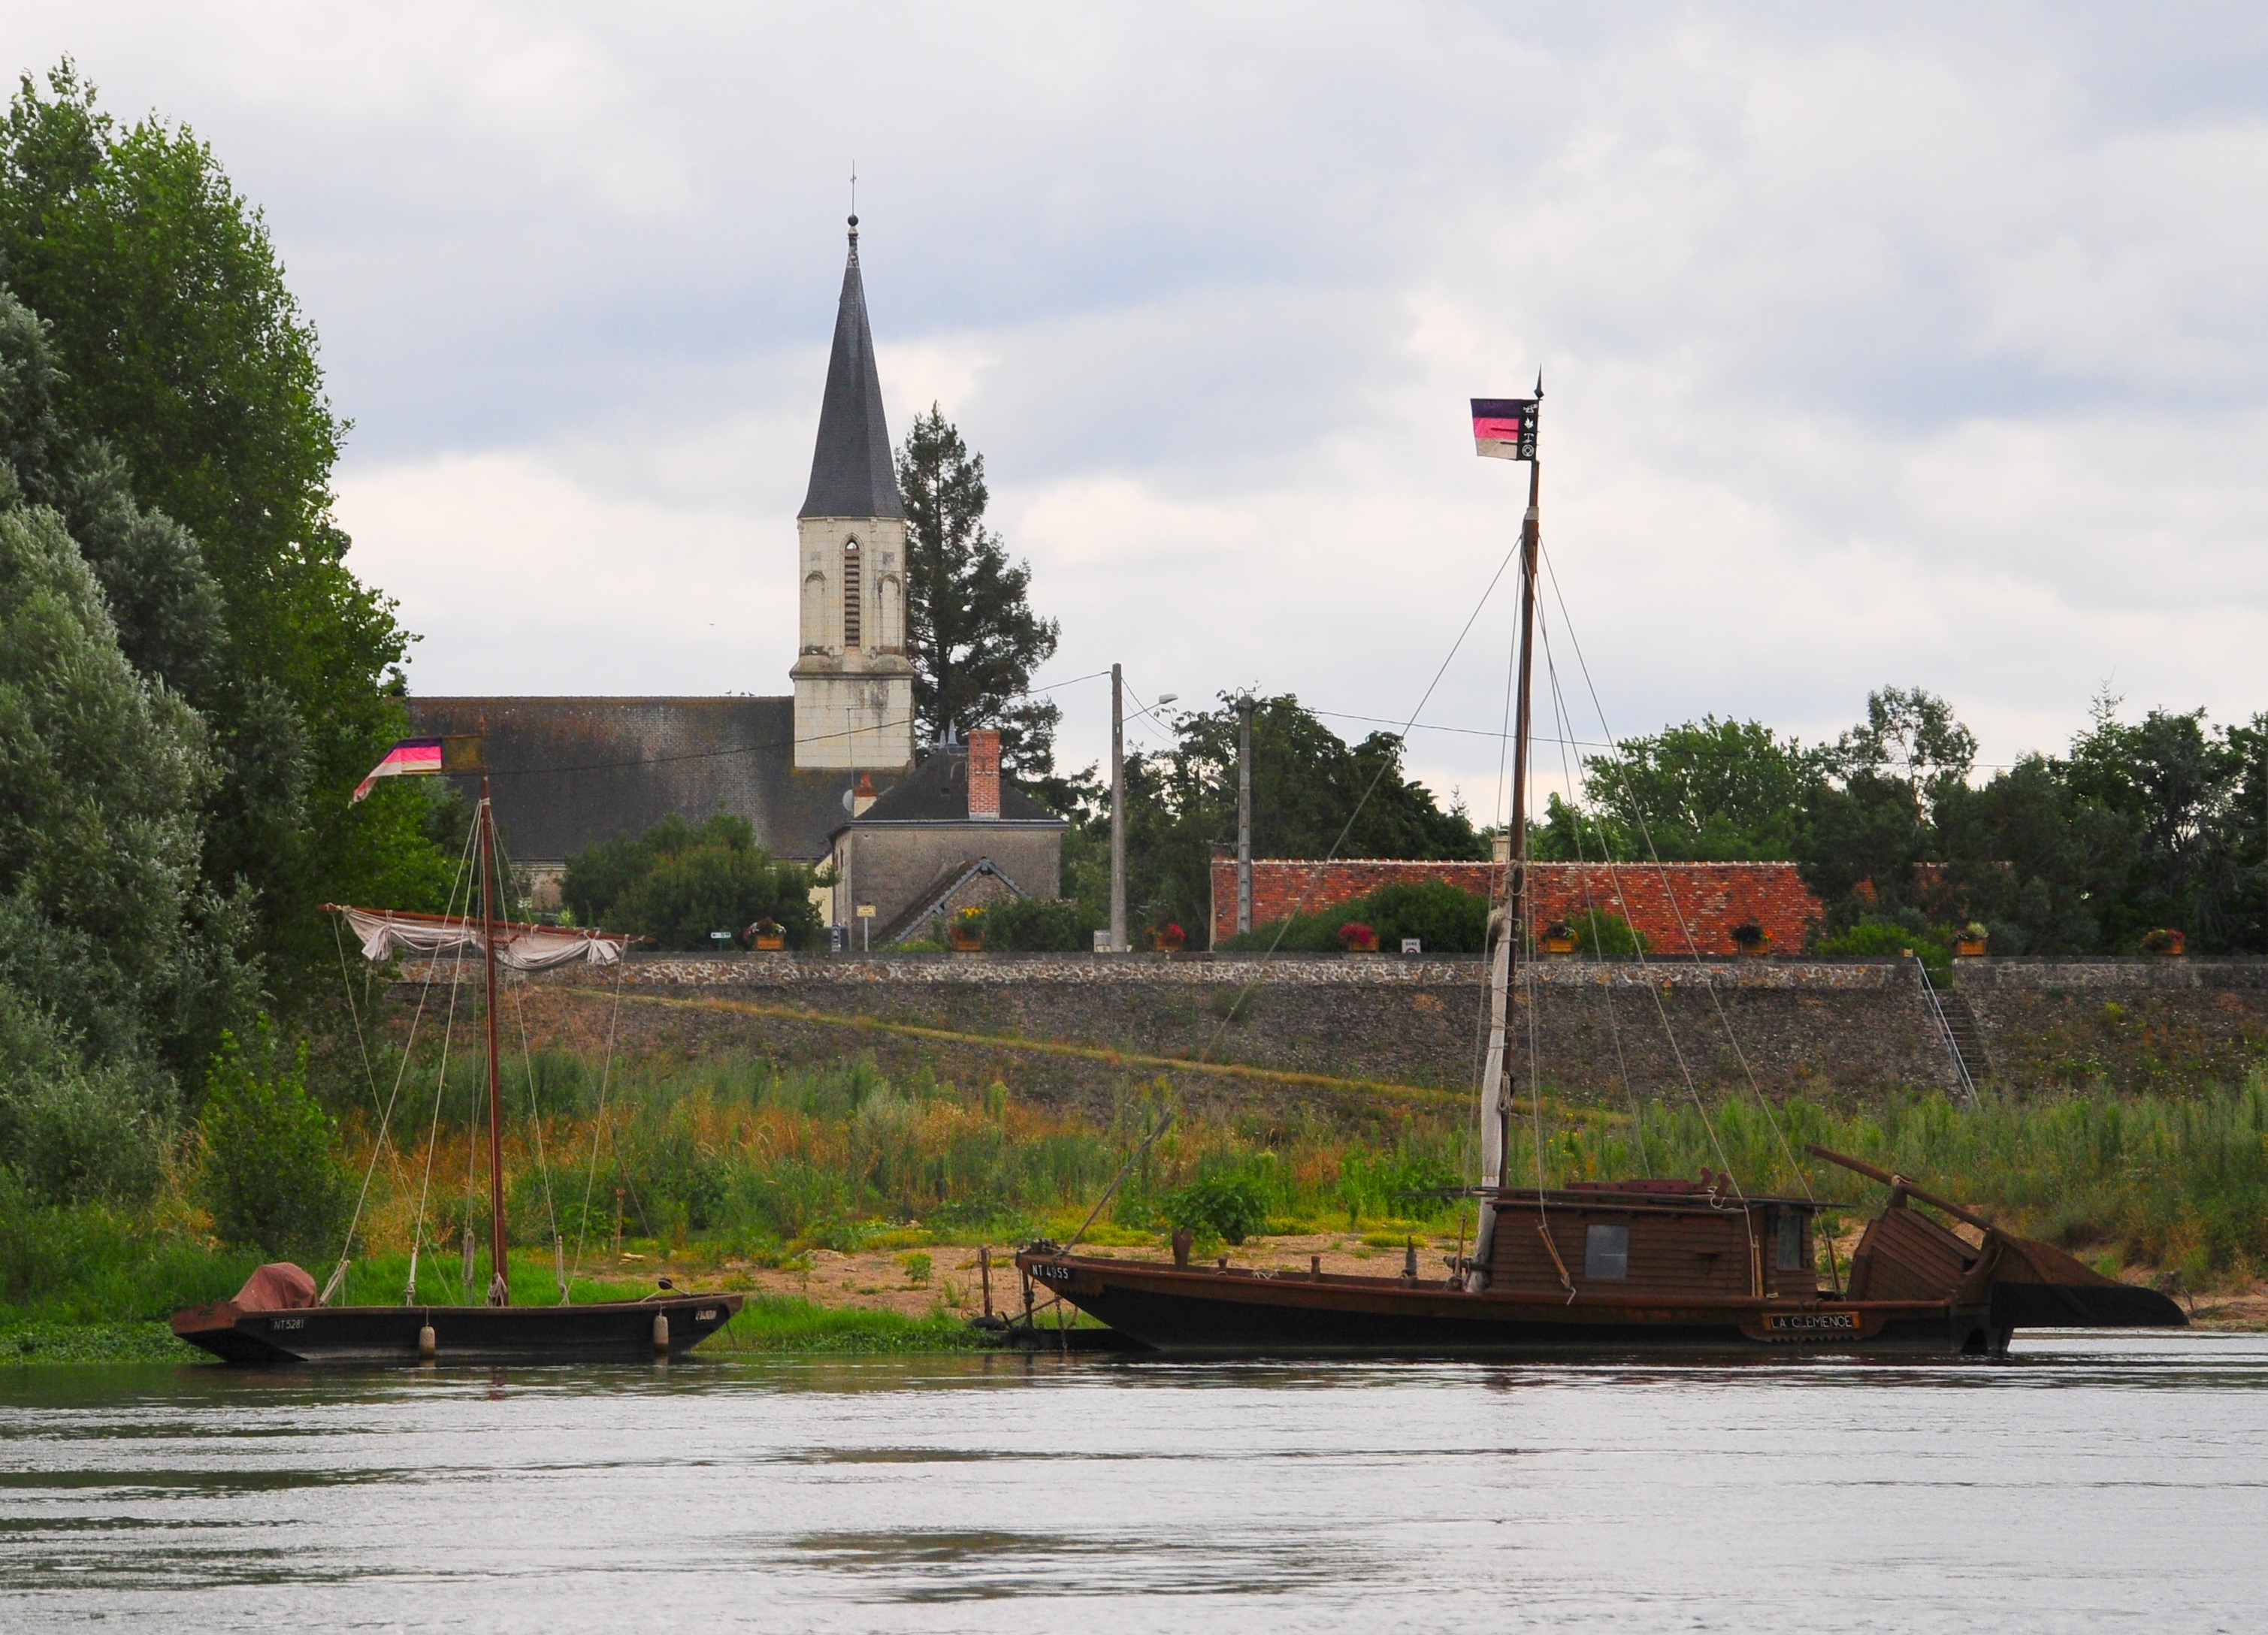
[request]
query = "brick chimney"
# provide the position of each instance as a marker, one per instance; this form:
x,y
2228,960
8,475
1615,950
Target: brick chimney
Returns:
x,y
863,796
985,774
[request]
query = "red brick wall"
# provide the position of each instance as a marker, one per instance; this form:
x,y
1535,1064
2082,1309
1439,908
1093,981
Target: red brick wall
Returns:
x,y
1666,902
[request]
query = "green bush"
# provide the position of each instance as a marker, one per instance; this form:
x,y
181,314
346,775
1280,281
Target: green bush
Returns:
x,y
1231,1205
272,1179
677,884
1880,936
1603,933
1443,918
85,1135
1032,925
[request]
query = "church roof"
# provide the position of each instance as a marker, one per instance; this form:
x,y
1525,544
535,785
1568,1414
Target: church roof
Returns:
x,y
569,772
851,474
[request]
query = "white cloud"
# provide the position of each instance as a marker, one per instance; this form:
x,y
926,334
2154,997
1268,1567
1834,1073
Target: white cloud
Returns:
x,y
1918,348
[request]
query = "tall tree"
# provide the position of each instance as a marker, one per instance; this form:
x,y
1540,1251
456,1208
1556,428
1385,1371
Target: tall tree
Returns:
x,y
1314,795
186,373
1710,791
976,639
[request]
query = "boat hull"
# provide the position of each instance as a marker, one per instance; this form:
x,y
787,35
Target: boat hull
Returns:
x,y
1242,1312
611,1331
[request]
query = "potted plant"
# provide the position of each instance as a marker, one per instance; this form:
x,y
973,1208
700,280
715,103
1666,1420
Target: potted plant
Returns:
x,y
966,933
1560,938
1751,939
1168,938
767,936
1968,941
2165,940
1357,937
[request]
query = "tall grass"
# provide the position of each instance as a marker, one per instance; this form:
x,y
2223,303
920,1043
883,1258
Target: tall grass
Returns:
x,y
724,1159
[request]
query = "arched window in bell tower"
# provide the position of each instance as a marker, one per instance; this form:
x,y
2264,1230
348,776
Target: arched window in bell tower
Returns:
x,y
851,592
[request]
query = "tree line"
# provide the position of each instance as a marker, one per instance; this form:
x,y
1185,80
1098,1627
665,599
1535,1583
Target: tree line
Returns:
x,y
2140,825
191,678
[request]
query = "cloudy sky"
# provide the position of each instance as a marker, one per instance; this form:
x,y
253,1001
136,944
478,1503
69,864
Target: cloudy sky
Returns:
x,y
1918,344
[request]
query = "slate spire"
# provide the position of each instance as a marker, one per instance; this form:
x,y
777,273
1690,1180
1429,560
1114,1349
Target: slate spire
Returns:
x,y
851,474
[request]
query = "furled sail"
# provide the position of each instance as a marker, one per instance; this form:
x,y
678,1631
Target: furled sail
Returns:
x,y
385,932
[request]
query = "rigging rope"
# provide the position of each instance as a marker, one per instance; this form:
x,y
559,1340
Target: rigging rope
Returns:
x,y
1684,929
346,1246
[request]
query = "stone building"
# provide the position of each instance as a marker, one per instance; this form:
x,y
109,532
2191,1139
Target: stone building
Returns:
x,y
568,773
950,836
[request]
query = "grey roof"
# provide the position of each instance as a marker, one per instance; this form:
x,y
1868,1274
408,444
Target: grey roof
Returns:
x,y
937,791
850,468
567,773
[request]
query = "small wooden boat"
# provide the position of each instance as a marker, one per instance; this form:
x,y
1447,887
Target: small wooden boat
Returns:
x,y
279,1316
1660,1264
607,1331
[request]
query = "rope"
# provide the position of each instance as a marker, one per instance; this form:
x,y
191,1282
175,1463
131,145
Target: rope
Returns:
x,y
441,1077
534,1111
1685,930
338,1276
606,1070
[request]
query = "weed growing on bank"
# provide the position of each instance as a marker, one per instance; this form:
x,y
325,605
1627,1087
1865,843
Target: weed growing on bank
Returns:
x,y
712,1164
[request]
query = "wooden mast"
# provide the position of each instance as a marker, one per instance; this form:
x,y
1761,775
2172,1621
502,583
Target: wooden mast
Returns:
x,y
500,1277
1510,921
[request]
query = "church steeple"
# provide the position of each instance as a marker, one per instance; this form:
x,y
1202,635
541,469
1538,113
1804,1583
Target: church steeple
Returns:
x,y
851,473
854,684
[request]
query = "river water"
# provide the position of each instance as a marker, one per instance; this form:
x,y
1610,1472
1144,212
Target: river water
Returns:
x,y
2079,1484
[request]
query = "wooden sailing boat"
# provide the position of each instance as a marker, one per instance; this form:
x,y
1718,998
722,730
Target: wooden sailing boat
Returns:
x,y
1674,1264
278,1317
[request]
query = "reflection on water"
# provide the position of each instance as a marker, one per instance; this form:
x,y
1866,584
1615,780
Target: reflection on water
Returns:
x,y
2102,1484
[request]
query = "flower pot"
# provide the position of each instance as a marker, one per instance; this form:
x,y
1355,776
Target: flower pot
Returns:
x,y
1559,945
1968,948
770,944
965,941
1755,950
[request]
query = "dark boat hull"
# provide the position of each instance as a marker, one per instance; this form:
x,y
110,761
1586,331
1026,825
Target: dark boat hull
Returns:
x,y
1239,1312
609,1332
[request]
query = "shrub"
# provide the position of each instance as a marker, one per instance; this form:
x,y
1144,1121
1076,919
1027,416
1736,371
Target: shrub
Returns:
x,y
1231,1205
1444,918
1601,931
272,1177
1032,925
677,884
83,1136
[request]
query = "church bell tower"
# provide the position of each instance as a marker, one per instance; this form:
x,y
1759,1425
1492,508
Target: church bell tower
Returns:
x,y
854,685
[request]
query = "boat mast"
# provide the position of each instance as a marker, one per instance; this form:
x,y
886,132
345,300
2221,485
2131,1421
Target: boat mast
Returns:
x,y
499,1278
1509,921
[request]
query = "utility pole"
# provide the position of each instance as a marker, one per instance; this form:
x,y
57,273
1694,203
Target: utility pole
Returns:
x,y
1118,811
1244,814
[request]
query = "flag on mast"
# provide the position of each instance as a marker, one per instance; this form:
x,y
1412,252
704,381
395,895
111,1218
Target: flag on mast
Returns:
x,y
1504,428
410,758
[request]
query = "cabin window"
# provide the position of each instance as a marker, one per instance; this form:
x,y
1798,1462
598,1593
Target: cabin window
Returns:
x,y
1790,1258
850,595
1606,1251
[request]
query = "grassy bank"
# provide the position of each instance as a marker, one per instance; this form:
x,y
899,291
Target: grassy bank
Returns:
x,y
715,1167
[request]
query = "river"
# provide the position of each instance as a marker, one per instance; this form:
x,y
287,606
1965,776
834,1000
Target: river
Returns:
x,y
2083,1483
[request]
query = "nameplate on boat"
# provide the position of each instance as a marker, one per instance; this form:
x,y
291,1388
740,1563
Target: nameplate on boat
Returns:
x,y
1811,1322
1052,1274
287,1323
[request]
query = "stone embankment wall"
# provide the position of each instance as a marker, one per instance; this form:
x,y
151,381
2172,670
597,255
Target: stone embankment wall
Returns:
x,y
2170,1025
1078,1027
1822,1026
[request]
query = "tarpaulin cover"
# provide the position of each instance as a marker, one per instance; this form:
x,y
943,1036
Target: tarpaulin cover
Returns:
x,y
277,1286
519,947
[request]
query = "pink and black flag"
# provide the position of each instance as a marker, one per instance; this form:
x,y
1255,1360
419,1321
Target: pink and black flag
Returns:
x,y
1504,428
411,757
